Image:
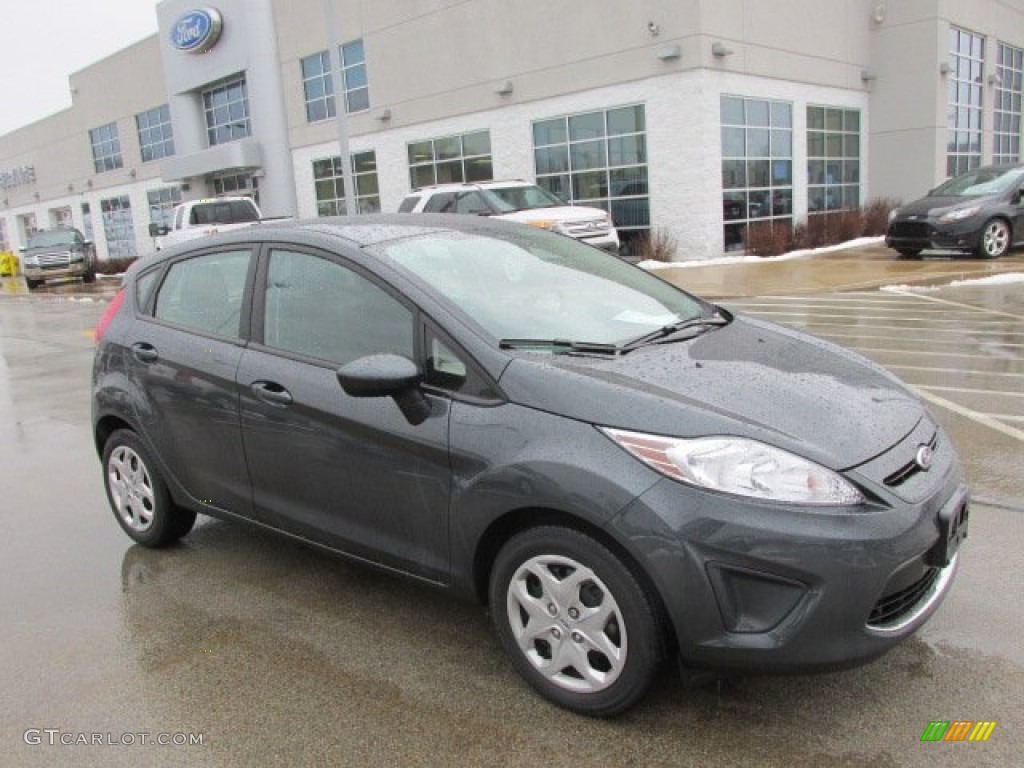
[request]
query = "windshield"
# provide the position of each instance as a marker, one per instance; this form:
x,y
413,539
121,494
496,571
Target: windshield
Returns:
x,y
521,198
982,182
526,284
51,238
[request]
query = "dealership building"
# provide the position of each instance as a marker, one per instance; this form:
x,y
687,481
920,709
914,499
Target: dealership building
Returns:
x,y
692,117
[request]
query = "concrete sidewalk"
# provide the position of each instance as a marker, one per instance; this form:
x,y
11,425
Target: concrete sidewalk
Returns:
x,y
863,267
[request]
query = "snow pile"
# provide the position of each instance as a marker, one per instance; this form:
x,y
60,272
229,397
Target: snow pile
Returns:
x,y
861,241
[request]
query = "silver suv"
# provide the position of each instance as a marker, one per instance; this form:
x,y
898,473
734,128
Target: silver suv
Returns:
x,y
517,201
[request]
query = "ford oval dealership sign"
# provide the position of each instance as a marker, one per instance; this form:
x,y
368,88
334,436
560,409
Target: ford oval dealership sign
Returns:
x,y
197,31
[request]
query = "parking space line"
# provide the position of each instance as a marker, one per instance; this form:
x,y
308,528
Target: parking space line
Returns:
x,y
958,342
968,390
944,319
928,353
954,370
980,418
948,302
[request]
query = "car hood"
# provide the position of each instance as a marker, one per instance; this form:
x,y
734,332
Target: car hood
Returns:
x,y
563,213
750,378
936,206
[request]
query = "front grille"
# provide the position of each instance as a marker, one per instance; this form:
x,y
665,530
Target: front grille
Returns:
x,y
915,229
891,608
53,260
594,228
911,468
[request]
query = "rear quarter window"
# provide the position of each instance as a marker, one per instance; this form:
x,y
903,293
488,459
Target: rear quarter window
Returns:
x,y
408,204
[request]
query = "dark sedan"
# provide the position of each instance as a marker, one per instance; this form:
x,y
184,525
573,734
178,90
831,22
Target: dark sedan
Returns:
x,y
620,471
980,212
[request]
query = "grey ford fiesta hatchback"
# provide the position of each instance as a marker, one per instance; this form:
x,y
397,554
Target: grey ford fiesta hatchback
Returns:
x,y
620,471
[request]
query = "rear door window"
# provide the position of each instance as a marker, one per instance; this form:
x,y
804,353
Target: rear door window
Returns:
x,y
205,293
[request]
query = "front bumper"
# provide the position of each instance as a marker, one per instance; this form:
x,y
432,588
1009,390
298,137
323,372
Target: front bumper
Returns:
x,y
608,242
930,234
774,588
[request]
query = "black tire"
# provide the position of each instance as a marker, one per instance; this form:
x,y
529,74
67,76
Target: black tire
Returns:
x,y
138,495
995,240
89,277
604,628
33,284
909,253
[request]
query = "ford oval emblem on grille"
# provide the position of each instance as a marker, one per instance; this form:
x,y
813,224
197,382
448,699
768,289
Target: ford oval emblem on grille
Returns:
x,y
923,459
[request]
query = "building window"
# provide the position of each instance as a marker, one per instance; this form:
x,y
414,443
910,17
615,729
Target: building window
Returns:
x,y
227,112
161,204
118,227
1007,108
966,73
27,224
757,165
317,85
330,184
155,137
451,159
598,159
5,245
353,73
243,184
833,159
106,148
61,217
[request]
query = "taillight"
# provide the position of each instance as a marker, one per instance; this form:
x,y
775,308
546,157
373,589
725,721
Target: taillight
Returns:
x,y
112,309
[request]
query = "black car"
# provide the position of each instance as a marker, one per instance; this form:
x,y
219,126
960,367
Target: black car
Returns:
x,y
620,471
979,212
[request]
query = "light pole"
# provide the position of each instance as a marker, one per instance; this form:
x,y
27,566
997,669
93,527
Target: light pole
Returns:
x,y
340,106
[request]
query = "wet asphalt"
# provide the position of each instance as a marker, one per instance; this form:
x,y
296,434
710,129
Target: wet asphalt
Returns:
x,y
273,654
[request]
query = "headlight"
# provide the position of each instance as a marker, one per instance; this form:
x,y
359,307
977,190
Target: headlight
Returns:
x,y
892,214
959,214
31,261
739,466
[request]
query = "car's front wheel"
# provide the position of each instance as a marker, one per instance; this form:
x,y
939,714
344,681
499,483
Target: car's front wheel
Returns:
x,y
138,495
995,239
575,621
909,253
32,284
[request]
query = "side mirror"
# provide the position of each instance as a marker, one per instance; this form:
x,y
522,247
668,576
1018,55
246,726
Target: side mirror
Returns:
x,y
387,376
157,230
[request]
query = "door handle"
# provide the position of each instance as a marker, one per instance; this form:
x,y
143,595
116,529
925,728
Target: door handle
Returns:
x,y
145,352
271,393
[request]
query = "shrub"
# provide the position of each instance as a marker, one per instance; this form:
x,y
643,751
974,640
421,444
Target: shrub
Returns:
x,y
766,238
114,266
656,245
876,216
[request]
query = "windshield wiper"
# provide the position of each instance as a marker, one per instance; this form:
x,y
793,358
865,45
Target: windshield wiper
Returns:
x,y
560,344
663,334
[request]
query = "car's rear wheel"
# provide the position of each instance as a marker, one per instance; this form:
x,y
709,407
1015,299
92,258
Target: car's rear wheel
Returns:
x,y
138,495
995,239
89,277
909,253
575,621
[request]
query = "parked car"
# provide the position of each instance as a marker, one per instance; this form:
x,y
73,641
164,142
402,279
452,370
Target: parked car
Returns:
x,y
200,218
979,212
621,471
517,201
57,252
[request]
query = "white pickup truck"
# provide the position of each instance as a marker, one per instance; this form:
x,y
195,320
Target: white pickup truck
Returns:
x,y
198,218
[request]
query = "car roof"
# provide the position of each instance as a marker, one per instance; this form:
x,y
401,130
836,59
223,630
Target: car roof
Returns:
x,y
473,185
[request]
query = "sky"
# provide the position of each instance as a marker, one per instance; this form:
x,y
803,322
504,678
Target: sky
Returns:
x,y
44,41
